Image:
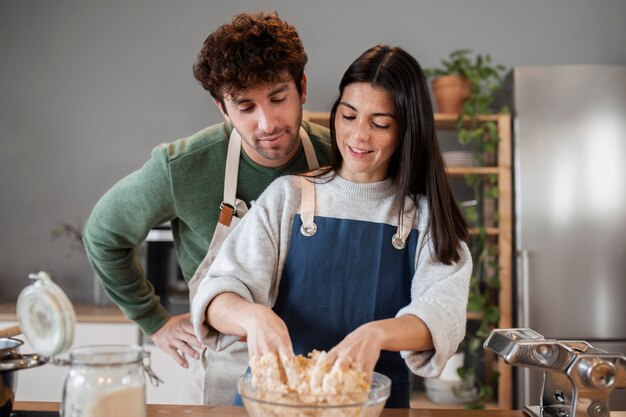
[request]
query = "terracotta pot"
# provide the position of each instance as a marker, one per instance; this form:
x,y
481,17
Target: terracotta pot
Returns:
x,y
451,91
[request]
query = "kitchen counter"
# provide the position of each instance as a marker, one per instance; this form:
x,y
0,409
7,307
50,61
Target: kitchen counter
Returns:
x,y
85,313
158,410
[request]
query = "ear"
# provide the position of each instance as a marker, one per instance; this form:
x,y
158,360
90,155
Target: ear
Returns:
x,y
303,87
221,109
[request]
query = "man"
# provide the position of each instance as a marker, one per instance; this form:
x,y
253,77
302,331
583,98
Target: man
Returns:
x,y
254,69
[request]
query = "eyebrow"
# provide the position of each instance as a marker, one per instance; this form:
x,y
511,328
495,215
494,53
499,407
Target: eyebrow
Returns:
x,y
279,89
384,114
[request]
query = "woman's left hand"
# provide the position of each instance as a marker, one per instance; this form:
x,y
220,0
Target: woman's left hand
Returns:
x,y
362,347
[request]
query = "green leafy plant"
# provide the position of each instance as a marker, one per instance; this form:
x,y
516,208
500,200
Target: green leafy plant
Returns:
x,y
457,63
73,233
485,79
481,138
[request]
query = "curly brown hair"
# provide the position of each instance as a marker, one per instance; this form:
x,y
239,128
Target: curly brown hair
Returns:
x,y
254,49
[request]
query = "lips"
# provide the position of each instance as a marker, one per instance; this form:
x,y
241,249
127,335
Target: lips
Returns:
x,y
272,140
358,152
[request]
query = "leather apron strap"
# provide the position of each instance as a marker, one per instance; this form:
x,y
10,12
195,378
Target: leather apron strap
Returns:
x,y
228,208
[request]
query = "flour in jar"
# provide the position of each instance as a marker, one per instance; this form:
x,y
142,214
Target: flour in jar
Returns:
x,y
127,402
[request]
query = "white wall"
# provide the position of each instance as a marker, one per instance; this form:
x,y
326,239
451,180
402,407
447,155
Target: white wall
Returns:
x,y
87,88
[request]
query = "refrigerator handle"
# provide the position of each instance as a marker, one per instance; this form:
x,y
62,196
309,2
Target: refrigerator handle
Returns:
x,y
523,317
523,290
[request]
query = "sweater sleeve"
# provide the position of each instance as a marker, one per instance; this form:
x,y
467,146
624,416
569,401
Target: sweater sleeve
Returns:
x,y
439,296
119,222
247,265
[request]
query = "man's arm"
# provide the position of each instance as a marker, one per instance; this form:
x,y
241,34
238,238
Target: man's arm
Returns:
x,y
119,222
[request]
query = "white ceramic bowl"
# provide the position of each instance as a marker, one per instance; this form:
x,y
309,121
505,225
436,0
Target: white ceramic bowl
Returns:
x,y
259,403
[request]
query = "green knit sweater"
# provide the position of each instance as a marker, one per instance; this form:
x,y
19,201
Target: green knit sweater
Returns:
x,y
182,183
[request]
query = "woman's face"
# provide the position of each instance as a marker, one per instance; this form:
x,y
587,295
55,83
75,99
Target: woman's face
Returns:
x,y
367,132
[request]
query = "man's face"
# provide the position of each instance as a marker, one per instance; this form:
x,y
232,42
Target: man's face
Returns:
x,y
268,119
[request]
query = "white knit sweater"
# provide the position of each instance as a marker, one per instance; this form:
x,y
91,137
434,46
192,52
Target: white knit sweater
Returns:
x,y
251,261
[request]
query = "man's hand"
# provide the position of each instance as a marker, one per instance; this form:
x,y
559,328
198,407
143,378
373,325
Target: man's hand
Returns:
x,y
176,337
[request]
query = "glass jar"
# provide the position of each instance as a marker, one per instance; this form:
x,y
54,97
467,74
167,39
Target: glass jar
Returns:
x,y
106,381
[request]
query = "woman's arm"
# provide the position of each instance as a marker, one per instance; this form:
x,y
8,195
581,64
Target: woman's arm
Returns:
x,y
263,329
235,297
363,345
439,295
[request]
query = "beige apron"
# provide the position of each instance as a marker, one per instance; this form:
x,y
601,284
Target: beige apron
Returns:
x,y
212,380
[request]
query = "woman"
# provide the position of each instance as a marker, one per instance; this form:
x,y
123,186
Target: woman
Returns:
x,y
366,258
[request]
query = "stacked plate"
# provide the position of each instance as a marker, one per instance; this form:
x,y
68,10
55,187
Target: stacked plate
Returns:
x,y
449,392
459,158
448,388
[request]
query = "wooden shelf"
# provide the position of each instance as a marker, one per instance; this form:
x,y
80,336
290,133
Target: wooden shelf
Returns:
x,y
421,401
446,121
491,231
472,315
472,170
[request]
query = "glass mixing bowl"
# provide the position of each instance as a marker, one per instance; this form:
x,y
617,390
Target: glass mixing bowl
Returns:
x,y
261,403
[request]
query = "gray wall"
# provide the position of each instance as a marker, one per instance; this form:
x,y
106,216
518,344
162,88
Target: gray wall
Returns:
x,y
87,88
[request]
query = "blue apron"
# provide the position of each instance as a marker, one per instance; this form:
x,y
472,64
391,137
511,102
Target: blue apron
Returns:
x,y
346,274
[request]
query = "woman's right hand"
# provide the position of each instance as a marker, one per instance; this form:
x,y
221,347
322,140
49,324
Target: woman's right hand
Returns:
x,y
266,332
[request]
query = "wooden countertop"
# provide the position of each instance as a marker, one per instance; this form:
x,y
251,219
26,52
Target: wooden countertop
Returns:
x,y
85,313
160,410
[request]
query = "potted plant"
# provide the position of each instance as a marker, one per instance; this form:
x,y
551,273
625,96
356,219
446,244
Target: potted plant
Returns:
x,y
459,78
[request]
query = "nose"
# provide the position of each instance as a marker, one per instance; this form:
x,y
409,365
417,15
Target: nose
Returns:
x,y
362,130
268,120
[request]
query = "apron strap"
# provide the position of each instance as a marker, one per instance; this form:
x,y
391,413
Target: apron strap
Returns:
x,y
404,228
228,208
309,151
307,206
307,213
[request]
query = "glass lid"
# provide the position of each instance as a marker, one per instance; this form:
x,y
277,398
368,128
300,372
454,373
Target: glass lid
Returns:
x,y
46,316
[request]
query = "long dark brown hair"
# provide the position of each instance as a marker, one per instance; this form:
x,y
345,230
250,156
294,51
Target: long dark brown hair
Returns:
x,y
416,166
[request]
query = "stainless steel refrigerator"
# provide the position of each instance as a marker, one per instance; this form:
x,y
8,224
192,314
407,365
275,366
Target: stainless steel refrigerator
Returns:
x,y
570,208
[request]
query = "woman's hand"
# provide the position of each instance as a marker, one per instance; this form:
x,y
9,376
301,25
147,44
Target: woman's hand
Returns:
x,y
362,347
266,332
262,329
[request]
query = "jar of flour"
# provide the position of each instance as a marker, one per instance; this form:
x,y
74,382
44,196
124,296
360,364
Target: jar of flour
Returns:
x,y
102,380
106,380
